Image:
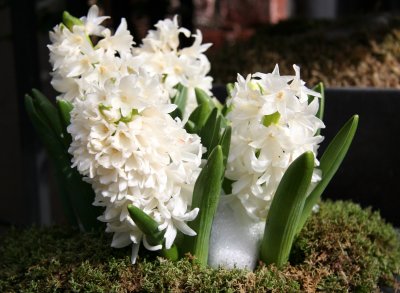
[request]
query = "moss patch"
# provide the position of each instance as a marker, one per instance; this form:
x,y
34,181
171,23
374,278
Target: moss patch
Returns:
x,y
342,248
362,52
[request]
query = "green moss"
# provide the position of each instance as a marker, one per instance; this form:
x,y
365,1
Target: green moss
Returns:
x,y
342,248
362,52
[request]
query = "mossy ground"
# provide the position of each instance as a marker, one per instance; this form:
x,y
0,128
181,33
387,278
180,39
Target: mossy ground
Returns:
x,y
363,52
342,248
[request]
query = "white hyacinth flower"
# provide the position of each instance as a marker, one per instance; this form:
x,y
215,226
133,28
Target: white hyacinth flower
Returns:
x,y
139,156
189,66
272,124
124,141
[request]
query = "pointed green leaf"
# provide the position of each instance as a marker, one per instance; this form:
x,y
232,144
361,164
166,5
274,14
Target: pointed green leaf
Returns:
x,y
203,98
226,109
171,254
210,133
329,164
285,210
64,111
49,114
80,194
229,88
69,21
55,150
198,118
225,143
190,127
206,194
147,225
46,133
180,100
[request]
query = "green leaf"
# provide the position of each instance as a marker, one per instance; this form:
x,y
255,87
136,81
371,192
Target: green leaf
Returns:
x,y
198,118
329,164
171,254
69,20
49,114
271,119
210,133
203,98
64,111
55,150
226,109
225,143
77,195
147,225
229,88
285,211
42,127
80,194
180,100
206,194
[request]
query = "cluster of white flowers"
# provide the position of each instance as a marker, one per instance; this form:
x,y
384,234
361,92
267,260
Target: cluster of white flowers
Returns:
x,y
124,142
188,66
79,68
127,146
272,124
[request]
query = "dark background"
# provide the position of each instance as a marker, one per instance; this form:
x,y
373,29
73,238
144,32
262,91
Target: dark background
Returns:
x,y
28,195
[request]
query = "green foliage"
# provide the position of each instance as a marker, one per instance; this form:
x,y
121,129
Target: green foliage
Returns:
x,y
198,118
179,100
329,164
285,211
207,190
64,110
203,98
76,195
70,21
342,248
211,132
147,225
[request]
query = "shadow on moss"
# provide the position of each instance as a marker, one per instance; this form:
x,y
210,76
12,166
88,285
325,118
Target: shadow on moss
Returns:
x,y
342,248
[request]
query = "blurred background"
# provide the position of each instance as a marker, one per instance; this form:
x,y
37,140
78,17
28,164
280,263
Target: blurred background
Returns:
x,y
352,46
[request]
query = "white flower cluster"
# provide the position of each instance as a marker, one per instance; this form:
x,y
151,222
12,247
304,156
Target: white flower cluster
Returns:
x,y
124,142
188,66
79,68
272,123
